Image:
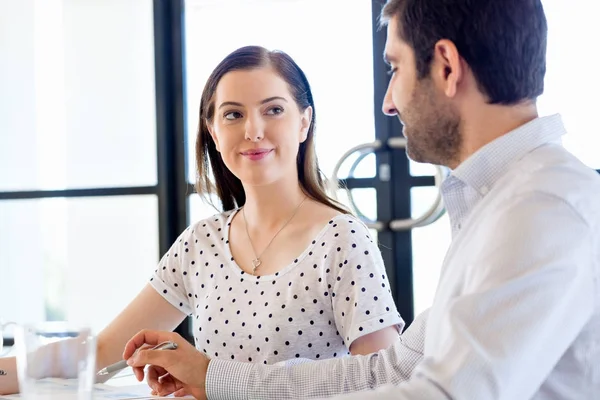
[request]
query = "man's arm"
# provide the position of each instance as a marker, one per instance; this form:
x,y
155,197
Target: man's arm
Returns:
x,y
306,379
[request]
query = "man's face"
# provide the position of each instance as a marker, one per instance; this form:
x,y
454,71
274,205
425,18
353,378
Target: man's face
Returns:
x,y
431,123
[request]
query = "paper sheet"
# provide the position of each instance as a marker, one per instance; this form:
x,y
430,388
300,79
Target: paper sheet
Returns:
x,y
64,389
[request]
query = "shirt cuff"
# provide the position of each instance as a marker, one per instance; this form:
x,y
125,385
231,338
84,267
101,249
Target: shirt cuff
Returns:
x,y
227,380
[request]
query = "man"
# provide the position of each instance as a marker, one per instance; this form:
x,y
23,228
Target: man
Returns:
x,y
516,313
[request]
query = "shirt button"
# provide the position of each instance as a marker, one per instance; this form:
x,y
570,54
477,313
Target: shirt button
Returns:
x,y
458,226
484,190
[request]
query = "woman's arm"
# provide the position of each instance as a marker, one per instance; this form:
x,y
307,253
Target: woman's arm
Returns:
x,y
148,310
364,309
8,379
373,342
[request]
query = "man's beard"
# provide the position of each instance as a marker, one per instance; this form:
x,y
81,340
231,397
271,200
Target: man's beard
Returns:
x,y
431,127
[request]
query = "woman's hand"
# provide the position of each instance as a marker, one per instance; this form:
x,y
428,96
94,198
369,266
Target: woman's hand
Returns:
x,y
182,370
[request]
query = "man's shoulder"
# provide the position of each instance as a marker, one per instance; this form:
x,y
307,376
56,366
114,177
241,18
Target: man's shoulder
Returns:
x,y
553,171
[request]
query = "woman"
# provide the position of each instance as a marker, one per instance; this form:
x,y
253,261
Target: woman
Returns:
x,y
284,272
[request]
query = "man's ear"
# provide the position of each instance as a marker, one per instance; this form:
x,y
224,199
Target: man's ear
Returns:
x,y
305,121
447,69
211,131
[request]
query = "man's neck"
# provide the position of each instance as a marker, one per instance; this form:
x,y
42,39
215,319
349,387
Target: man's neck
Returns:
x,y
484,124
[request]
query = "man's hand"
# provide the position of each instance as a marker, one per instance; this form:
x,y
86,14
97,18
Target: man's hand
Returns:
x,y
182,370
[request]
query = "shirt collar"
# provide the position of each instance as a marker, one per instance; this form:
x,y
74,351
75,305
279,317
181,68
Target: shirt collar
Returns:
x,y
483,168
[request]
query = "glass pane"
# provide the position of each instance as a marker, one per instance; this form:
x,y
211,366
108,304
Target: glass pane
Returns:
x,y
429,248
367,167
570,88
81,259
365,200
420,169
199,209
364,168
340,71
78,106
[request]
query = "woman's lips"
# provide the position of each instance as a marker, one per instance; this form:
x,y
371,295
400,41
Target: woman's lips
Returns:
x,y
256,154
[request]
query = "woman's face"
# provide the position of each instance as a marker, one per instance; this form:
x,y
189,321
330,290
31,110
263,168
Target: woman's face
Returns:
x,y
257,126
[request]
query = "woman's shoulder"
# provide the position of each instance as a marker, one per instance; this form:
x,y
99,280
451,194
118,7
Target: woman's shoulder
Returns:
x,y
350,223
345,231
216,220
213,226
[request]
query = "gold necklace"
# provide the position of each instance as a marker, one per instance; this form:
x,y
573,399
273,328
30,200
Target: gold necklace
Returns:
x,y
256,262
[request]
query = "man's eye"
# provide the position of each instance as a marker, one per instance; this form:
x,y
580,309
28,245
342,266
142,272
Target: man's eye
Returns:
x,y
392,71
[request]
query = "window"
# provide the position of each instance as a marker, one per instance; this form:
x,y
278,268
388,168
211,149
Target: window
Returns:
x,y
570,87
77,118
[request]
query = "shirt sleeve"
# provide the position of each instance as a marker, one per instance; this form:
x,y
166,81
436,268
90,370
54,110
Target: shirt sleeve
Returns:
x,y
297,379
168,276
527,299
361,297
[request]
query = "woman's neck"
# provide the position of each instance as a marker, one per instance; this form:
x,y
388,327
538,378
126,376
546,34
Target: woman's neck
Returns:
x,y
267,207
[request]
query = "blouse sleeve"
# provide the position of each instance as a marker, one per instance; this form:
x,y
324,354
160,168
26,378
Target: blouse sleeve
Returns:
x,y
168,279
361,297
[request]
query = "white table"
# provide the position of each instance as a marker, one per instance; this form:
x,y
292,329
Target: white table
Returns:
x,y
123,386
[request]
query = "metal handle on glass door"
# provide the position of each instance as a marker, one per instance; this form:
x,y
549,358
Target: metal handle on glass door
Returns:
x,y
435,211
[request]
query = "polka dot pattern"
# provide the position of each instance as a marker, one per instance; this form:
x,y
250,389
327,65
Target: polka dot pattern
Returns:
x,y
314,307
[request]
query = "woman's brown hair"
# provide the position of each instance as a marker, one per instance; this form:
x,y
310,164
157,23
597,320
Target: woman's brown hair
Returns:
x,y
227,186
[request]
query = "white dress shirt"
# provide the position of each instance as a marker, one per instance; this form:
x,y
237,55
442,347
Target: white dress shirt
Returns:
x,y
516,313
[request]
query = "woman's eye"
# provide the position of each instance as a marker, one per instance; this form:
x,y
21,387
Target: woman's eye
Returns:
x,y
392,71
275,110
232,115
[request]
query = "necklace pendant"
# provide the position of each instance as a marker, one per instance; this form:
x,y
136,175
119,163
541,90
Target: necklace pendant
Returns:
x,y
255,264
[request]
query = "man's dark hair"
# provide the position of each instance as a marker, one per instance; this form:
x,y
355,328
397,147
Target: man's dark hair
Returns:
x,y
503,41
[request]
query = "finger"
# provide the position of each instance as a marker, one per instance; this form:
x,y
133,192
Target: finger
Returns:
x,y
163,377
163,382
146,336
166,389
139,373
159,358
180,393
153,375
168,386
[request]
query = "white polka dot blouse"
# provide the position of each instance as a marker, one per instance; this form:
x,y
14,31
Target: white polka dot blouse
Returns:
x,y
334,292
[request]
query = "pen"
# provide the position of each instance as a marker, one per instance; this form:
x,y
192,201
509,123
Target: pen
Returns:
x,y
123,363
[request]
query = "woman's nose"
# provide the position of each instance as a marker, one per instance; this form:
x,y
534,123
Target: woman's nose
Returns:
x,y
254,129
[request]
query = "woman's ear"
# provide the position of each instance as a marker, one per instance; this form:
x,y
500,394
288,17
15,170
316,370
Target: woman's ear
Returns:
x,y
211,131
305,122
